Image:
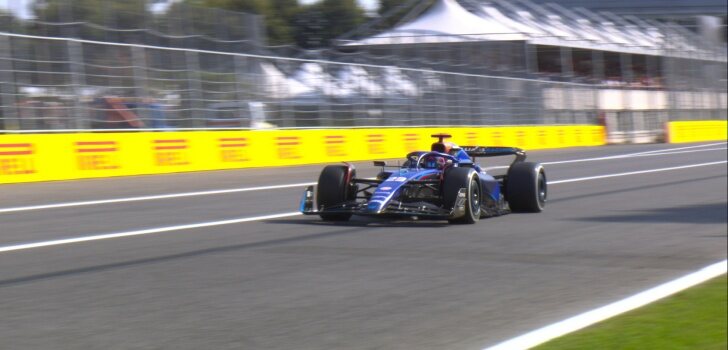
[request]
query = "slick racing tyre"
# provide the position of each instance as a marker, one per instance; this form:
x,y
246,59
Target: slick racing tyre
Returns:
x,y
526,188
333,189
455,179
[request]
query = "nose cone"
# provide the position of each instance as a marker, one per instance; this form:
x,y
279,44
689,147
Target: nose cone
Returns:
x,y
379,199
374,207
383,194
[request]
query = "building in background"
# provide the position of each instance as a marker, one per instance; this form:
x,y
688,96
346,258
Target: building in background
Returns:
x,y
707,17
657,9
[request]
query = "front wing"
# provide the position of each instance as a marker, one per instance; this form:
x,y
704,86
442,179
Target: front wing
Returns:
x,y
394,208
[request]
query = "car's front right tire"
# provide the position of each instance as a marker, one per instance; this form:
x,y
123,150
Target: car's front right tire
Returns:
x,y
455,179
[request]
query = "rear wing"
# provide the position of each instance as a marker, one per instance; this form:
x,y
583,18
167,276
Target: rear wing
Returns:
x,y
484,151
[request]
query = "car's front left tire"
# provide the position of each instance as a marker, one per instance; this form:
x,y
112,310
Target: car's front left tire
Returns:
x,y
334,188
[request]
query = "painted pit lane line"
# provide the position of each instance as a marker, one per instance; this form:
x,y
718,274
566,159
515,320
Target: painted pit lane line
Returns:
x,y
273,187
24,246
575,323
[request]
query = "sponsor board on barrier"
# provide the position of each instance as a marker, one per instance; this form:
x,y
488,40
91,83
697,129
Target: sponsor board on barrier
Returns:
x,y
25,158
96,155
233,149
697,131
335,145
289,147
17,159
410,141
171,152
375,143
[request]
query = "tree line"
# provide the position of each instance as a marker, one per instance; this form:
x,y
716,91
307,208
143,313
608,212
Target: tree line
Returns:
x,y
309,26
286,22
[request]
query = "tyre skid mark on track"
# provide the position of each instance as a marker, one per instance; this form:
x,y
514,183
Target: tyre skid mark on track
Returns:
x,y
176,256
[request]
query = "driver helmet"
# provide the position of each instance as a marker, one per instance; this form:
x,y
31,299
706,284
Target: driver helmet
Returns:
x,y
434,162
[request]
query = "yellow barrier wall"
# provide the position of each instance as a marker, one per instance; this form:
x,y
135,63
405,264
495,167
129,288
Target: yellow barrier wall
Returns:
x,y
44,157
697,131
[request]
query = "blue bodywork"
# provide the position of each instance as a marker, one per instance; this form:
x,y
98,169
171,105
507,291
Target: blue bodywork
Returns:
x,y
414,189
392,185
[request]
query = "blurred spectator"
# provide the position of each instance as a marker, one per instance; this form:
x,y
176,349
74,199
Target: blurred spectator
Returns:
x,y
29,113
156,111
115,114
151,108
55,115
38,114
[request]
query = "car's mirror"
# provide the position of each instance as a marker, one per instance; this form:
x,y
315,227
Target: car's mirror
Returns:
x,y
380,163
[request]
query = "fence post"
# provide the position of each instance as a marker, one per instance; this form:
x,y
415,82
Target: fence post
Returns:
x,y
530,59
625,64
598,80
472,96
195,87
416,117
567,71
326,118
76,65
139,66
483,98
243,108
441,99
8,89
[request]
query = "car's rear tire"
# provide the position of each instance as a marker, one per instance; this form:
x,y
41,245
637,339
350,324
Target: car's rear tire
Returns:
x,y
455,179
526,188
333,189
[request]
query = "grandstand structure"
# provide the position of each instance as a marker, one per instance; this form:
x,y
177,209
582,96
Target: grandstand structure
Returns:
x,y
704,17
644,71
448,62
678,10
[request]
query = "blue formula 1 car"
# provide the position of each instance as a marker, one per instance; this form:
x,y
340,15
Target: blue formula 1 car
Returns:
x,y
444,183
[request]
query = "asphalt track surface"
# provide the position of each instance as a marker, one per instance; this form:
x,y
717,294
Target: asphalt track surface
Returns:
x,y
297,283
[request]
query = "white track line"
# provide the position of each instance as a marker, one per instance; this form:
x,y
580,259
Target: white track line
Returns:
x,y
640,154
152,197
635,172
22,246
680,148
680,152
142,232
588,318
659,152
272,187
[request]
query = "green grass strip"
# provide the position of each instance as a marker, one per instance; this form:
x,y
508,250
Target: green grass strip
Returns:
x,y
692,319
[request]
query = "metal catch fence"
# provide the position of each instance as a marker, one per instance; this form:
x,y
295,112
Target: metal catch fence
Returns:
x,y
62,83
